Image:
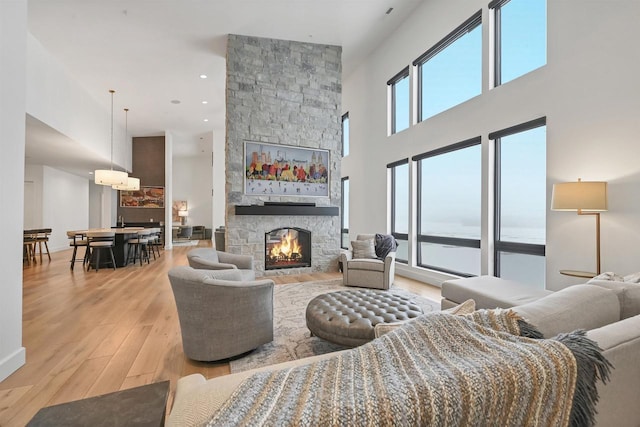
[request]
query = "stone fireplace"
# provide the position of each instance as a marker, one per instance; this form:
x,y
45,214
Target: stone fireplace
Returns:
x,y
287,248
286,93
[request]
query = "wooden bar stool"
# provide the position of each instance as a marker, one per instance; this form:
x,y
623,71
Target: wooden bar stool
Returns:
x,y
97,241
42,236
28,247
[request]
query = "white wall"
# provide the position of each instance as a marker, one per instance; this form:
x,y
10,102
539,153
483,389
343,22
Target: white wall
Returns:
x,y
54,97
62,203
191,181
588,91
65,205
13,39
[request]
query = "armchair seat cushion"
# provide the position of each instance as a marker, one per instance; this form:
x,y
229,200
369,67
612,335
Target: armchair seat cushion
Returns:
x,y
366,264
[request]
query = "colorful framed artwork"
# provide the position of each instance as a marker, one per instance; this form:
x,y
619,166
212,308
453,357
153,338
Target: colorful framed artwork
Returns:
x,y
146,197
284,170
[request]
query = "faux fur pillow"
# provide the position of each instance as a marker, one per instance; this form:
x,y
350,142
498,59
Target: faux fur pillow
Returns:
x,y
385,243
363,249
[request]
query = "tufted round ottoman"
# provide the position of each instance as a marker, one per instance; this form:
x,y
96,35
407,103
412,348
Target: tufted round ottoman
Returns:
x,y
348,317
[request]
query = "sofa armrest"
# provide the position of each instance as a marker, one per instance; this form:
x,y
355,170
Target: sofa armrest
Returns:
x,y
618,398
200,263
346,255
241,261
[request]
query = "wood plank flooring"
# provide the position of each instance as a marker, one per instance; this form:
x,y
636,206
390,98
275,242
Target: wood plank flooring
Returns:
x,y
90,333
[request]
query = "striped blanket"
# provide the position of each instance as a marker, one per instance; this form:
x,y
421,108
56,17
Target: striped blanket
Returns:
x,y
437,370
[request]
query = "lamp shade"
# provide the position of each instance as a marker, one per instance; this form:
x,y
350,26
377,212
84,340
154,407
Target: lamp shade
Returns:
x,y
579,196
133,184
183,213
110,177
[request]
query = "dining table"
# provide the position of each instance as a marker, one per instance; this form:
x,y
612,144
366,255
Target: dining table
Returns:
x,y
121,245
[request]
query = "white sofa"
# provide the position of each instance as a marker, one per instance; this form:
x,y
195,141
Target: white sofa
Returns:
x,y
607,314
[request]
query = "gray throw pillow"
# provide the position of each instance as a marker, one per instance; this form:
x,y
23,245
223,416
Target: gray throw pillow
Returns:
x,y
363,249
385,243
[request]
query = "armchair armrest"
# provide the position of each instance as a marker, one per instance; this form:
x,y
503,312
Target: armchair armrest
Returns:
x,y
241,261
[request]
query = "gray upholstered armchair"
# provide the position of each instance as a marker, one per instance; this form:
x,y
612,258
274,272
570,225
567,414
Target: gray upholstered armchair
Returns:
x,y
212,259
220,315
368,272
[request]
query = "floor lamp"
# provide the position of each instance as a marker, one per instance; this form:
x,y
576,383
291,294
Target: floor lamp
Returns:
x,y
585,197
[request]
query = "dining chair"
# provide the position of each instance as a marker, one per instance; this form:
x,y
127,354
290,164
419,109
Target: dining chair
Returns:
x,y
138,246
77,240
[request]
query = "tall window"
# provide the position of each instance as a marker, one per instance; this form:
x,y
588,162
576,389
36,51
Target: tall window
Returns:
x,y
345,213
520,37
345,134
399,99
451,71
520,218
400,207
449,207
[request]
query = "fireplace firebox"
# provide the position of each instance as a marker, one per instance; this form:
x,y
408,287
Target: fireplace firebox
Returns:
x,y
287,247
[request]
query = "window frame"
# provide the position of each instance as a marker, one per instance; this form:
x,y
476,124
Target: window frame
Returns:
x,y
498,245
496,7
345,117
400,236
464,28
425,238
391,84
343,230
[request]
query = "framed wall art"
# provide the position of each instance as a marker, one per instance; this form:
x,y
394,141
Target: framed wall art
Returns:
x,y
284,170
146,197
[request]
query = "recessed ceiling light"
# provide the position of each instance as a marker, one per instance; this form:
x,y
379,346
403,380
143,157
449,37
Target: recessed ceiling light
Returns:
x,y
205,102
203,76
175,101
206,120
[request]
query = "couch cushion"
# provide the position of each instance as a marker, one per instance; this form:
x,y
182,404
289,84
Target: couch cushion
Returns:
x,y
628,294
490,292
366,264
576,307
363,248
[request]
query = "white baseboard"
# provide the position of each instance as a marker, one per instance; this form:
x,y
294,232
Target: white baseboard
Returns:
x,y
12,363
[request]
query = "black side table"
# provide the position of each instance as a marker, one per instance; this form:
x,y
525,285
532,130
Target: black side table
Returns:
x,y
138,406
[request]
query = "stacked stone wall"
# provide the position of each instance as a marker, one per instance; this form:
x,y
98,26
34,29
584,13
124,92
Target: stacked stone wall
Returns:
x,y
288,93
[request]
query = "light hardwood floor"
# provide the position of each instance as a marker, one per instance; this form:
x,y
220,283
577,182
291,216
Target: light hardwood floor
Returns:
x,y
89,333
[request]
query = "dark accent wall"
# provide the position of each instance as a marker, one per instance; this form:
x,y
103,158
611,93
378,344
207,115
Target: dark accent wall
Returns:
x,y
148,165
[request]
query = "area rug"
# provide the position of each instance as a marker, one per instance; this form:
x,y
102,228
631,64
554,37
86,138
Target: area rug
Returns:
x,y
186,243
291,338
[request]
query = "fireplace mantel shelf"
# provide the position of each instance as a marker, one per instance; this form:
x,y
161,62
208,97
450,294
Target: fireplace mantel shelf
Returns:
x,y
291,210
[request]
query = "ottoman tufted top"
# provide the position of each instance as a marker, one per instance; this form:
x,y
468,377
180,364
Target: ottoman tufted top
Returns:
x,y
349,317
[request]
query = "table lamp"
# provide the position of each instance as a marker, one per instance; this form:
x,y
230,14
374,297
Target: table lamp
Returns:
x,y
183,214
585,197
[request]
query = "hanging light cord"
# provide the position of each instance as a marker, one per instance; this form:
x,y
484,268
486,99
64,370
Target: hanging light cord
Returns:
x,y
111,91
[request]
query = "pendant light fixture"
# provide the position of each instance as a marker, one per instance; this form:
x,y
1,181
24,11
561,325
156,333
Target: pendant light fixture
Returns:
x,y
133,184
109,176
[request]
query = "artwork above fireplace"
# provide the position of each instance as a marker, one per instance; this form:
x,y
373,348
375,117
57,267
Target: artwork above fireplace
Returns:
x,y
287,247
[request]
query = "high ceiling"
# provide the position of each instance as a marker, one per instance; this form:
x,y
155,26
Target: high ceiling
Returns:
x,y
152,52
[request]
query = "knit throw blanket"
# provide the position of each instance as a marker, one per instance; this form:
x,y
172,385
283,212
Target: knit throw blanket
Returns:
x,y
437,370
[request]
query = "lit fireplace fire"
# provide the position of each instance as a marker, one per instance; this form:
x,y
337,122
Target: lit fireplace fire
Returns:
x,y
288,248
